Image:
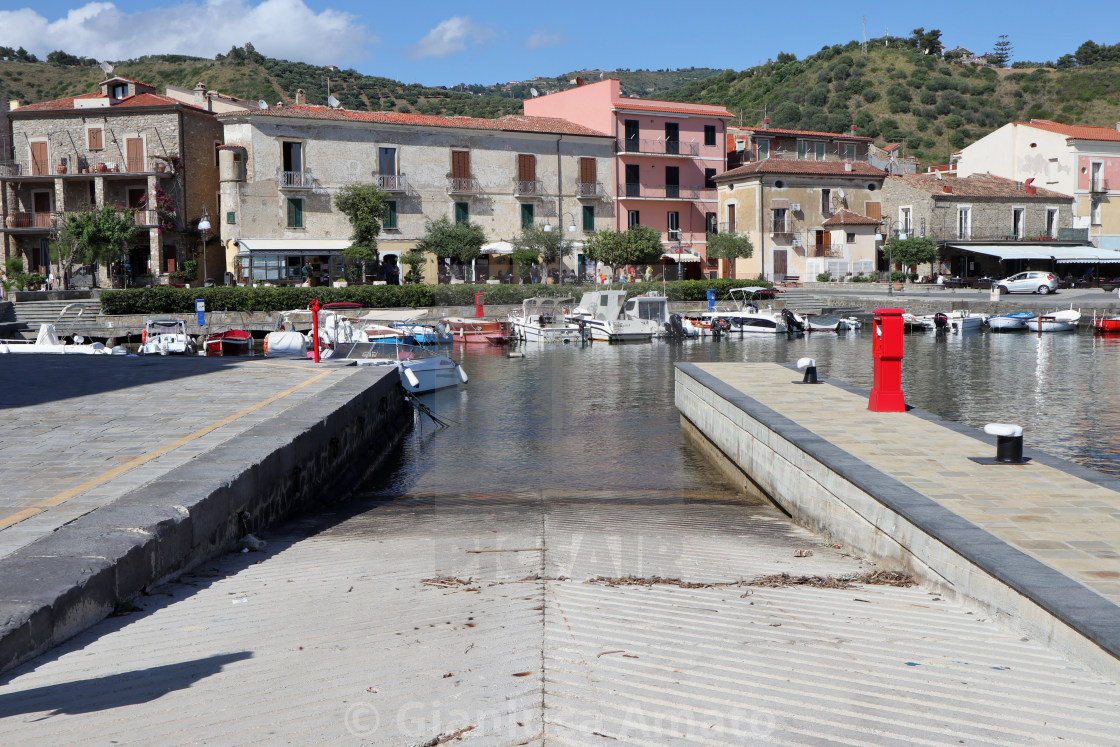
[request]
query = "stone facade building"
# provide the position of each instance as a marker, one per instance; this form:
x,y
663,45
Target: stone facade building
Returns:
x,y
283,166
124,145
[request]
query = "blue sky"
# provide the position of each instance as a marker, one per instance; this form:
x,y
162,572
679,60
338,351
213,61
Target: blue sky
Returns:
x,y
444,43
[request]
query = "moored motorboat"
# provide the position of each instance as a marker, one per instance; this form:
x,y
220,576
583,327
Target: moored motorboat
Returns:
x,y
165,337
747,317
1008,322
602,316
478,330
421,369
229,342
1058,321
1106,325
944,321
47,342
543,320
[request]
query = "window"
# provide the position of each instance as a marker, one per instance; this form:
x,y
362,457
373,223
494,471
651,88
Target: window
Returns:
x,y
731,219
462,212
709,178
819,149
118,91
710,223
850,151
826,201
589,218
631,127
762,148
1017,222
295,213
1052,222
293,156
231,217
778,220
802,148
1096,184
526,167
387,161
587,171
709,134
460,164
93,135
905,226
1095,211
527,215
217,154
673,221
672,181
633,218
850,237
633,175
964,222
390,214
672,137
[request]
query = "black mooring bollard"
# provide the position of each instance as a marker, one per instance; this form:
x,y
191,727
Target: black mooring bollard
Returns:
x,y
1009,442
810,367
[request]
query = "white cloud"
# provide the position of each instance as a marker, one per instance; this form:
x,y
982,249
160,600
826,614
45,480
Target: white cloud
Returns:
x,y
286,29
542,37
451,37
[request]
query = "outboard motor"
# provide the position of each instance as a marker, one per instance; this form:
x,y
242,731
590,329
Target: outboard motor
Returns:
x,y
675,327
940,322
720,327
584,332
793,324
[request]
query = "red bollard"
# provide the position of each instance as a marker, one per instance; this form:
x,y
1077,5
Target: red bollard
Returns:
x,y
479,301
315,326
886,350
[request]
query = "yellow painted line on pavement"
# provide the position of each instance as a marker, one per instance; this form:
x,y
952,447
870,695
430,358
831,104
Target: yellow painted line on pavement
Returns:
x,y
66,495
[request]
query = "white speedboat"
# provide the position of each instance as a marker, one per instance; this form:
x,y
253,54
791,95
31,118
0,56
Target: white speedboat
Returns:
x,y
1058,321
827,322
47,342
602,315
421,369
543,320
944,321
165,337
747,317
1009,322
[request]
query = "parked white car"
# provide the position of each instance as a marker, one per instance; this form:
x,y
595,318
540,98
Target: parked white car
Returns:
x,y
1029,282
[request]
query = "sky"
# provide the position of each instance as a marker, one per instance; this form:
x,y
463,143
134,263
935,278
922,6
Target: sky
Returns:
x,y
443,43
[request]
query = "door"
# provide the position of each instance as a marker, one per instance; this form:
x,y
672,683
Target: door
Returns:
x,y
824,242
731,219
134,154
387,161
526,174
781,266
138,201
672,137
631,135
673,221
672,181
587,171
39,159
632,176
41,205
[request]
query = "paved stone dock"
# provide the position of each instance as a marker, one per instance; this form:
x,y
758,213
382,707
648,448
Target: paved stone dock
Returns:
x,y
433,614
81,432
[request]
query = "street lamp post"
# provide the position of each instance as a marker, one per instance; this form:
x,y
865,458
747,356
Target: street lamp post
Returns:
x,y
204,226
890,224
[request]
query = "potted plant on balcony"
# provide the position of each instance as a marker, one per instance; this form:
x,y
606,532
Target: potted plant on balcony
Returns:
x,y
62,166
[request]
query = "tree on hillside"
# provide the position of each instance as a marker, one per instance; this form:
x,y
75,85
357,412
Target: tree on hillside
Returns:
x,y
1001,53
638,245
92,235
730,246
927,42
550,246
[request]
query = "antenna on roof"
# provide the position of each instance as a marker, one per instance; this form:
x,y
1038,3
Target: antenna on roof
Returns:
x,y
262,104
332,102
106,68
535,92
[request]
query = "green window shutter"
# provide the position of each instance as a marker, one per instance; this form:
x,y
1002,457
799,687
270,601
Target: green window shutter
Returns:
x,y
391,214
231,217
588,217
526,216
462,212
295,213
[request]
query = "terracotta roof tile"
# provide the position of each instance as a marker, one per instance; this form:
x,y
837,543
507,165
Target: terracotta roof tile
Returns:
x,y
1080,132
509,123
976,185
807,133
845,217
801,166
141,99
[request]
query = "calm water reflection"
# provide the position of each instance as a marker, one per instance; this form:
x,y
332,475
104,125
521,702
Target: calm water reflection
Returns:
x,y
601,418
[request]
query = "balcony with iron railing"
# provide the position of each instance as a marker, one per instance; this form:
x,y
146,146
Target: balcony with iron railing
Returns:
x,y
528,188
392,182
781,226
463,185
295,179
31,222
590,190
659,147
69,166
665,192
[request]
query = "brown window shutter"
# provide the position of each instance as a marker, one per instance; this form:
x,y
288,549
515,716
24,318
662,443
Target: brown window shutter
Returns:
x,y
731,218
587,170
95,138
874,210
461,164
39,159
526,167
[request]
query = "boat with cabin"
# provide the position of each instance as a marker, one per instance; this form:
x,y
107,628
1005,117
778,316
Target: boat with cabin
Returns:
x,y
747,317
421,369
543,320
602,315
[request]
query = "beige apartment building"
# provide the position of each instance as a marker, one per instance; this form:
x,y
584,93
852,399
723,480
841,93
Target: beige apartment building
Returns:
x,y
281,168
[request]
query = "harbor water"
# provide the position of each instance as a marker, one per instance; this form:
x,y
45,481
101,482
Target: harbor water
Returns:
x,y
601,417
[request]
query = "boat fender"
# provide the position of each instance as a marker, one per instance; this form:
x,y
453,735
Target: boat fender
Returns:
x,y
144,337
411,377
515,354
462,374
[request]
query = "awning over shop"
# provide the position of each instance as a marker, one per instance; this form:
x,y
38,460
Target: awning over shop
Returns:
x,y
291,247
497,247
680,256
1065,254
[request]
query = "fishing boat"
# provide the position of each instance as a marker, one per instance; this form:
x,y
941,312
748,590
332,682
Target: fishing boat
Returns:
x,y
229,342
165,337
47,341
1106,325
479,330
602,316
543,320
421,369
1058,321
1009,322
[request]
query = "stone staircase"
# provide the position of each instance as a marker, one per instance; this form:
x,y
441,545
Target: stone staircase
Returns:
x,y
805,302
64,315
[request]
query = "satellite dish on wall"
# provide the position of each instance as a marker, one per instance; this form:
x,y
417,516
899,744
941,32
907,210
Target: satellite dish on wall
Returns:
x,y
262,104
333,102
840,193
535,92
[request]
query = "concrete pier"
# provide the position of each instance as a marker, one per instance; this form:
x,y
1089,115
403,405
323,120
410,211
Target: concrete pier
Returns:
x,y
1035,544
122,472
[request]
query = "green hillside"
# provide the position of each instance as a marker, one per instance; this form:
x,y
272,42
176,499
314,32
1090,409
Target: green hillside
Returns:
x,y
246,74
895,93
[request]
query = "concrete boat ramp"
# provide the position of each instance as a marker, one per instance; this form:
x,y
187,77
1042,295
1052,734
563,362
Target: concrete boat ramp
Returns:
x,y
556,617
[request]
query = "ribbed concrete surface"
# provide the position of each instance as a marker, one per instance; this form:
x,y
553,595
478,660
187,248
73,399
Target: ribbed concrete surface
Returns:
x,y
332,636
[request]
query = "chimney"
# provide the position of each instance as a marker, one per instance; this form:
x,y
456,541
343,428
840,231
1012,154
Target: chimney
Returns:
x,y
301,97
947,188
853,129
1031,189
200,95
1118,126
766,123
847,165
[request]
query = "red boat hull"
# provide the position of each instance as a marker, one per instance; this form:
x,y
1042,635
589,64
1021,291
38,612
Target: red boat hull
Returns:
x,y
1107,326
232,342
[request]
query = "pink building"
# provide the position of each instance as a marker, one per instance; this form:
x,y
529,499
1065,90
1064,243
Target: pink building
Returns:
x,y
666,155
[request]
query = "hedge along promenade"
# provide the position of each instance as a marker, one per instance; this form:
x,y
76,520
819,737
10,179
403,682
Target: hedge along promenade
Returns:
x,y
170,300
